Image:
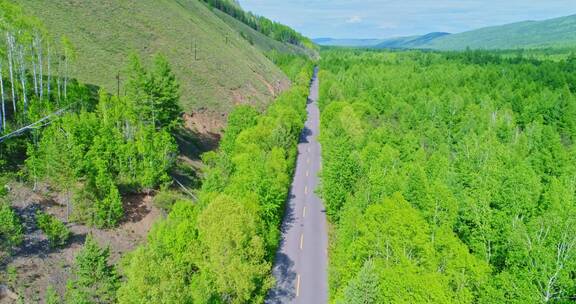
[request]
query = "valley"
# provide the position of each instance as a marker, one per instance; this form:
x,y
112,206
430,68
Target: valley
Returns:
x,y
193,151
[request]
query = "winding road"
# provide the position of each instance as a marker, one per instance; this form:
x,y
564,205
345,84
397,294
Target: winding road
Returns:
x,y
301,262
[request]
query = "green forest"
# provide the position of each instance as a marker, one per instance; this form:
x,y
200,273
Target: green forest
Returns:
x,y
221,249
107,146
446,177
95,148
262,24
449,177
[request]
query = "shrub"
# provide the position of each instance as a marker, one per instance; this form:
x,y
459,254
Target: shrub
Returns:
x,y
11,230
166,198
56,231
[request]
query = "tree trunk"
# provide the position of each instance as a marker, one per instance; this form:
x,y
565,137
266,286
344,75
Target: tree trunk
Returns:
x,y
11,68
3,101
49,73
65,75
40,63
58,80
23,76
35,77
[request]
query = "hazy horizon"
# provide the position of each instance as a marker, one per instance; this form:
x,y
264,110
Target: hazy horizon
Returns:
x,y
379,19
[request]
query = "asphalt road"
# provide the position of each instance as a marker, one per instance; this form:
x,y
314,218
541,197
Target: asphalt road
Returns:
x,y
301,262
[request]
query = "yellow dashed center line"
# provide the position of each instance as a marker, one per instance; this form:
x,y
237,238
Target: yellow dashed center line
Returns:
x,y
307,173
301,241
298,286
306,190
304,212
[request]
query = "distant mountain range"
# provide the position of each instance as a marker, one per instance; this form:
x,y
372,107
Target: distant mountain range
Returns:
x,y
410,42
347,42
528,34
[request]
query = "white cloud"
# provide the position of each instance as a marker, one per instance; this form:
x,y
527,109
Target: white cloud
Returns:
x,y
392,18
388,26
354,19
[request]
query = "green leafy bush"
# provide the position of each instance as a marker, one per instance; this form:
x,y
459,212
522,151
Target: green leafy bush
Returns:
x,y
166,198
11,230
56,231
3,185
52,296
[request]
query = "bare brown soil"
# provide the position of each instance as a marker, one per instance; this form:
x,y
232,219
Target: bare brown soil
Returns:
x,y
38,266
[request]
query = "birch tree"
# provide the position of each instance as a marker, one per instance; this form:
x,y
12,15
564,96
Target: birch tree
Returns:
x,y
32,59
39,48
10,41
49,81
59,80
69,54
2,97
22,66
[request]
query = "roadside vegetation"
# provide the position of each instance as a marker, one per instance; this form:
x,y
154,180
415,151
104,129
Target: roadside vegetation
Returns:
x,y
221,249
449,177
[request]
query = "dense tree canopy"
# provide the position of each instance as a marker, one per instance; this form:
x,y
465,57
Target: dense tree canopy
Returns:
x,y
221,249
449,177
125,143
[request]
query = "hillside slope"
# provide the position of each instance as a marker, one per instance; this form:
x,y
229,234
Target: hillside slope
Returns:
x,y
528,34
227,69
389,43
411,42
262,42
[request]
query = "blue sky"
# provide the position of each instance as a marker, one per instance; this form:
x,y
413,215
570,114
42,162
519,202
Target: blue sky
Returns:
x,y
390,18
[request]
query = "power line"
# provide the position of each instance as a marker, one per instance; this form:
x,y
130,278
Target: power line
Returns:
x,y
38,124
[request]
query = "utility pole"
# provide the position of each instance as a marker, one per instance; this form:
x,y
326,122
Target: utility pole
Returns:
x,y
118,84
195,50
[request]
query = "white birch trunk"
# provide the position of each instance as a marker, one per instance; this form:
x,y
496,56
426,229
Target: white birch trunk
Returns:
x,y
11,68
58,80
3,100
40,63
35,77
49,84
23,77
65,75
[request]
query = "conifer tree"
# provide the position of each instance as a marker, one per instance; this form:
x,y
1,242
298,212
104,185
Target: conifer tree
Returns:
x,y
94,280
